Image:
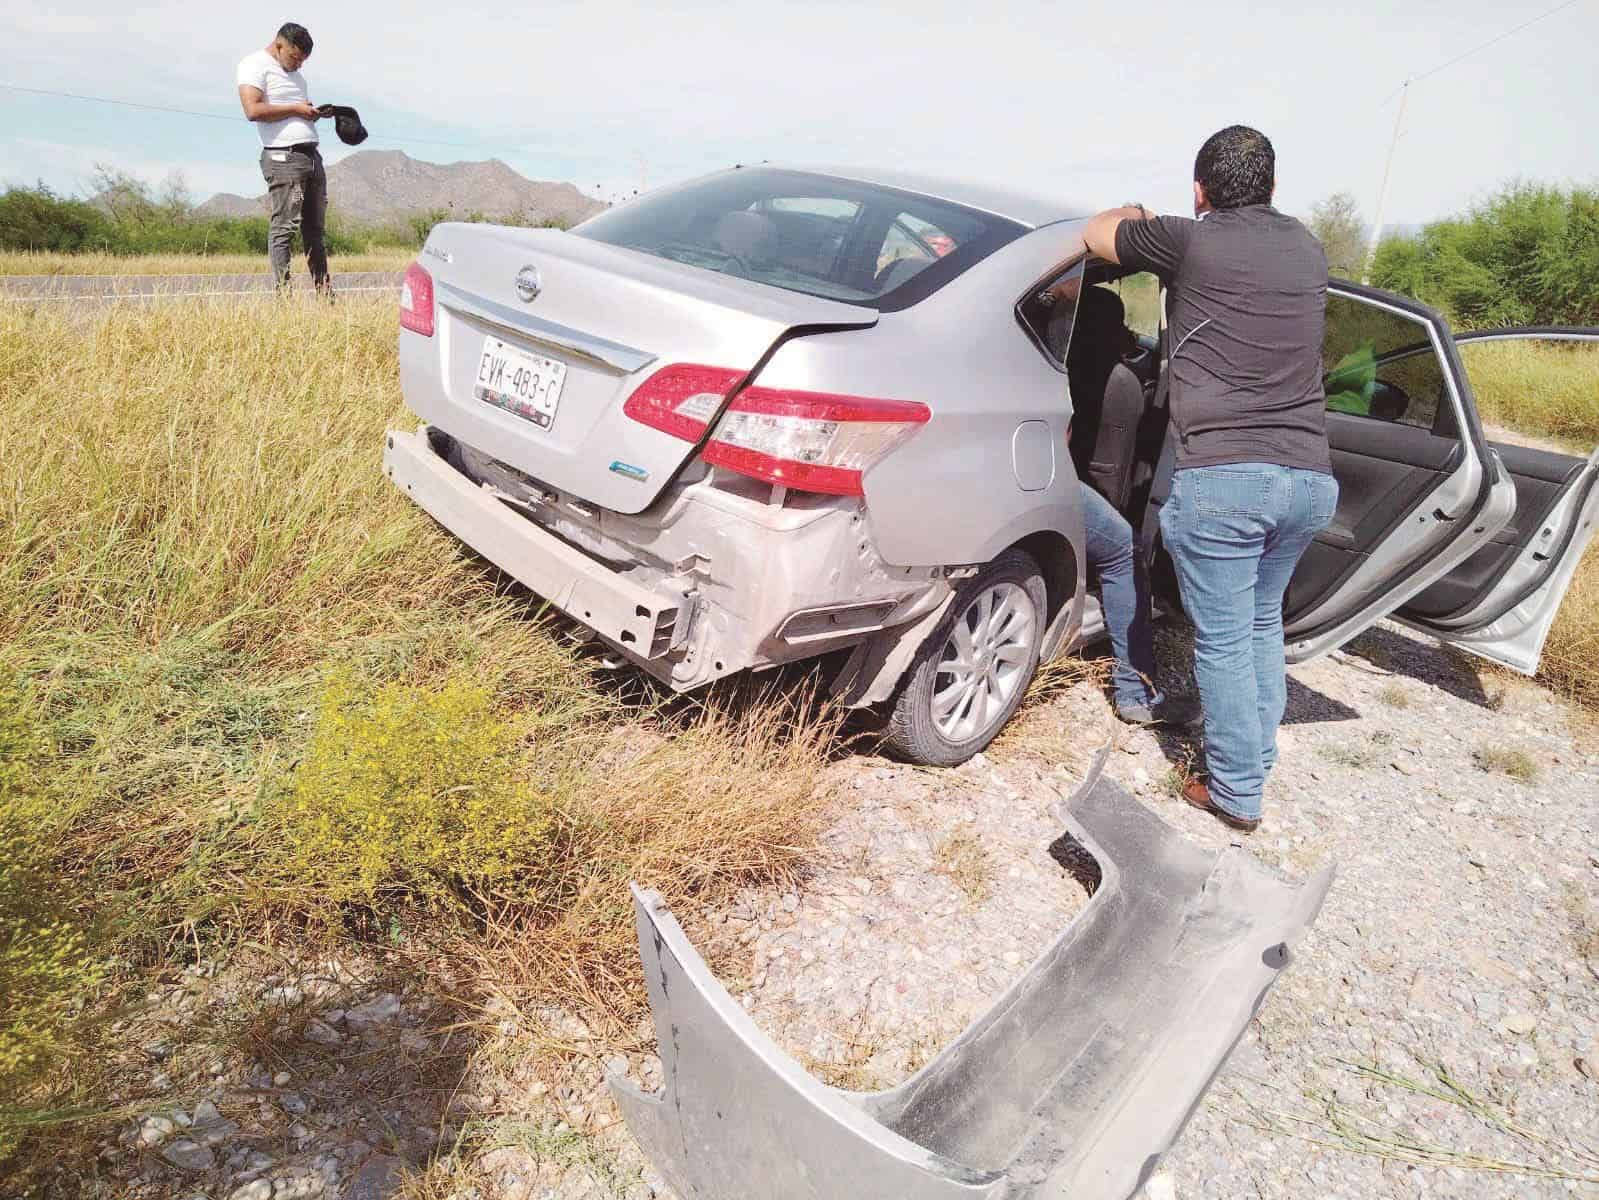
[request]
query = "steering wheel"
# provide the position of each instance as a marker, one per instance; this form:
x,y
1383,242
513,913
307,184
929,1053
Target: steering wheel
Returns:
x,y
685,253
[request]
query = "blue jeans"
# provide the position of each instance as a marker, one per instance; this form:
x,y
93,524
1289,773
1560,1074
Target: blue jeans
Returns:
x,y
1124,592
1235,534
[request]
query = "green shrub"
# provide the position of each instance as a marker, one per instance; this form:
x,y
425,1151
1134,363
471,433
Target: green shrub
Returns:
x,y
125,217
37,219
410,232
407,790
46,966
126,220
1527,256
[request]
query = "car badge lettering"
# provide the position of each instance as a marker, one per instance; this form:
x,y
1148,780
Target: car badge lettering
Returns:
x,y
528,285
630,471
435,252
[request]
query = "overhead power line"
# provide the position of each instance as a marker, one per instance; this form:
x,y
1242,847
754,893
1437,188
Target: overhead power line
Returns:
x,y
1461,57
14,87
214,116
1403,91
1493,41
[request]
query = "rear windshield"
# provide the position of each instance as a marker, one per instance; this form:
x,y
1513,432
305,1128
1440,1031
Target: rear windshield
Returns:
x,y
855,242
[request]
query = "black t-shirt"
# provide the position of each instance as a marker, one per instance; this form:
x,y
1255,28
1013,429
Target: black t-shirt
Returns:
x,y
1247,307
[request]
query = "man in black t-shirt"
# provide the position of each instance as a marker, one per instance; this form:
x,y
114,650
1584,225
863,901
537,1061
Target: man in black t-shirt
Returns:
x,y
1246,308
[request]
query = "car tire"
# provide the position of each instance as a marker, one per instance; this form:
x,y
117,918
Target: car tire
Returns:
x,y
971,674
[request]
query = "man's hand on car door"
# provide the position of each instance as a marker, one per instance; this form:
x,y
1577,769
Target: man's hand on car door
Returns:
x,y
1100,232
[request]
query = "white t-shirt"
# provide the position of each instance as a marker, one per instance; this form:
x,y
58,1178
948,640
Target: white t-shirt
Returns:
x,y
261,70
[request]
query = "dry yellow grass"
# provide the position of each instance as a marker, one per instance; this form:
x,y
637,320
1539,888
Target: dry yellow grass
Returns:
x,y
1571,656
1552,393
1546,389
196,532
962,858
24,262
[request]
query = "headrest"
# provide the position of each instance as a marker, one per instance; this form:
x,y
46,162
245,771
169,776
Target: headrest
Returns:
x,y
898,271
1101,307
749,236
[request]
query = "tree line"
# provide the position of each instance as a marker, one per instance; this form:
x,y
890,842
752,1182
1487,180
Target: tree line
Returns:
x,y
1526,255
126,216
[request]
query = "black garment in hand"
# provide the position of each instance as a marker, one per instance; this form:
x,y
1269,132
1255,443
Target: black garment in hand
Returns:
x,y
346,123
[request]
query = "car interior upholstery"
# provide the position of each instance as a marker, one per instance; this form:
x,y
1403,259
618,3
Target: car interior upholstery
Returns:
x,y
808,242
898,271
1115,449
1540,476
1388,459
1111,403
749,237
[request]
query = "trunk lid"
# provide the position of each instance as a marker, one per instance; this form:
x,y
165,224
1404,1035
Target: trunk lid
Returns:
x,y
601,320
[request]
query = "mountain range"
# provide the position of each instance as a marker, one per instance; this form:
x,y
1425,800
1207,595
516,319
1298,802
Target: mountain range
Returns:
x,y
376,186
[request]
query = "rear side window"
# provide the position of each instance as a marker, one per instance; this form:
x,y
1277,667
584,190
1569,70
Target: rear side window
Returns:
x,y
855,242
1381,365
1049,313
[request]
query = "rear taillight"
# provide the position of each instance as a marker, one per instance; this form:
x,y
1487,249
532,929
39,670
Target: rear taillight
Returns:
x,y
682,400
810,441
416,301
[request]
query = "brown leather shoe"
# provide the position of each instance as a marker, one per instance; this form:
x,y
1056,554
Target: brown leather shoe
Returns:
x,y
1198,794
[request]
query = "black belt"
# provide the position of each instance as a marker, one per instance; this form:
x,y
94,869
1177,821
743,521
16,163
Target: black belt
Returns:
x,y
299,148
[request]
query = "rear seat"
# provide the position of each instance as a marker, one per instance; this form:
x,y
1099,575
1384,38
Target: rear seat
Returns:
x,y
1111,401
1115,450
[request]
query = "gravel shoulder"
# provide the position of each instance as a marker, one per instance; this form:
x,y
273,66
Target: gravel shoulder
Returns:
x,y
1438,1035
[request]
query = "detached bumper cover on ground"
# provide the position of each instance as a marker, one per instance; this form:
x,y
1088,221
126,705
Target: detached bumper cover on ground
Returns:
x,y
1074,1084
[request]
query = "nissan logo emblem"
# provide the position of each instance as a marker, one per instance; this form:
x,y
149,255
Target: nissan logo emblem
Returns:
x,y
527,283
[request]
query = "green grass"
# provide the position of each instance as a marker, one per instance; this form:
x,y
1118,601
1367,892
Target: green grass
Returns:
x,y
1507,760
1391,1124
1395,696
962,858
1354,757
1141,298
532,1144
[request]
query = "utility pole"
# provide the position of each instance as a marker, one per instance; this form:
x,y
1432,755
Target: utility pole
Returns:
x,y
1387,172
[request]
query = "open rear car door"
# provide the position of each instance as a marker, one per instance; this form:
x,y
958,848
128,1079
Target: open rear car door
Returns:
x,y
1501,601
1420,489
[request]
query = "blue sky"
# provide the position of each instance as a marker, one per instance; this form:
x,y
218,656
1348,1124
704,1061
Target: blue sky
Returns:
x,y
1100,104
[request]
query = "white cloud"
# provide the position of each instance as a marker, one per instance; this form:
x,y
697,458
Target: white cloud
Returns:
x,y
53,23
1088,102
71,166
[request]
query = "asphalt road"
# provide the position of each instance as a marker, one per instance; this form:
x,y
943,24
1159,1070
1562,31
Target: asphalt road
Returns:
x,y
111,288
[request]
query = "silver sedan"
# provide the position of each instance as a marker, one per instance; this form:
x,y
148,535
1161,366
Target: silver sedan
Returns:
x,y
772,414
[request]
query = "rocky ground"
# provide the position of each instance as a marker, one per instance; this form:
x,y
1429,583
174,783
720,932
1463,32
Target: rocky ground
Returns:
x,y
1438,1036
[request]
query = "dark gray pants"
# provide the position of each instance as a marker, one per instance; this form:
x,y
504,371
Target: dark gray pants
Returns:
x,y
298,188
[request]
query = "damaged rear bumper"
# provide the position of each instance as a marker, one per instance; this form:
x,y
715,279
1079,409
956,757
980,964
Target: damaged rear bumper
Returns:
x,y
1074,1084
714,579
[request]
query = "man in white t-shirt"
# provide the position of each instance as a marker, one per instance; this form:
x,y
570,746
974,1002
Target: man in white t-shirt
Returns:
x,y
274,96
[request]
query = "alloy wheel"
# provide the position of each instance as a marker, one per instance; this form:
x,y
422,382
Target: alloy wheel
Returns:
x,y
984,663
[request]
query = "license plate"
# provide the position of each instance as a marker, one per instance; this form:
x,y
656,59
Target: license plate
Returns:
x,y
525,385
